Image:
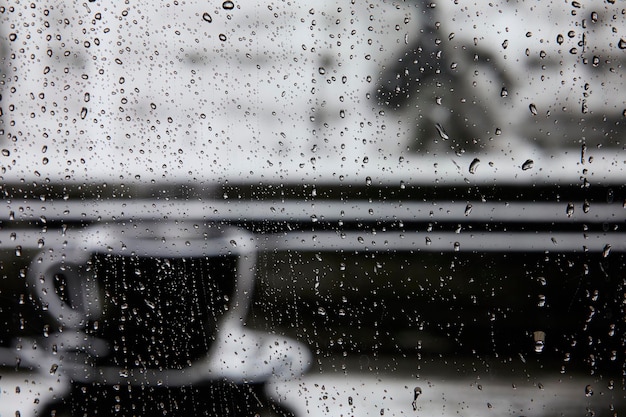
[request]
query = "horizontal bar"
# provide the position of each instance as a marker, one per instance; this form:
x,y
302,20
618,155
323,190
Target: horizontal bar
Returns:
x,y
312,211
333,241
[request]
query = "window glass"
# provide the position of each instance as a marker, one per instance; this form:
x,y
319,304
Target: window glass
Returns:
x,y
332,208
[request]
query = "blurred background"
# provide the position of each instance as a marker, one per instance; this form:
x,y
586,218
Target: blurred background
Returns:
x,y
436,188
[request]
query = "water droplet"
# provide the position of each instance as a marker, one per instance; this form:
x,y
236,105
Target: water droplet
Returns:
x,y
505,44
588,391
559,39
6,152
606,250
233,242
228,5
321,311
569,210
83,113
528,164
53,368
40,243
457,246
504,92
124,373
612,329
441,131
540,339
468,209
595,61
350,401
541,302
533,109
207,17
18,250
368,181
586,206
417,391
621,44
474,165
428,241
222,37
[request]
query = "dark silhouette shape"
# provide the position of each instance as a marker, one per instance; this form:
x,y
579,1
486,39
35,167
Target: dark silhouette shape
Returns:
x,y
432,83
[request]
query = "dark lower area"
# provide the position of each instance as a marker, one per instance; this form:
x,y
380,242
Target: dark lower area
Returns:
x,y
421,304
452,305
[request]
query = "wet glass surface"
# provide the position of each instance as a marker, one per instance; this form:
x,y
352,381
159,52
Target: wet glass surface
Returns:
x,y
369,208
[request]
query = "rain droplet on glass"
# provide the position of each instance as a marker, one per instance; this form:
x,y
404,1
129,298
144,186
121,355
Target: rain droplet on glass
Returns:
x,y
441,131
559,39
586,206
540,338
474,165
528,164
417,391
